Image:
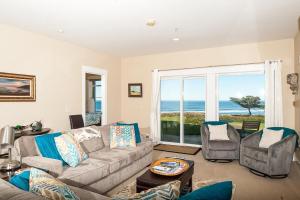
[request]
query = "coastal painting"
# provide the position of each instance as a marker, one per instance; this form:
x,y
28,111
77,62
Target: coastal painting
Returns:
x,y
17,87
135,90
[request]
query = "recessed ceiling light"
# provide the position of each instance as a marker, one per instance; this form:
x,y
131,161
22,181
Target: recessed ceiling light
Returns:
x,y
176,39
60,30
151,22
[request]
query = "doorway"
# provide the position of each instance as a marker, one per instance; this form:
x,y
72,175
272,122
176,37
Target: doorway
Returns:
x,y
94,96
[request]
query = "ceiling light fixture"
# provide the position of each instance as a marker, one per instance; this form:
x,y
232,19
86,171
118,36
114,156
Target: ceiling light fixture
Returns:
x,y
151,23
60,30
176,39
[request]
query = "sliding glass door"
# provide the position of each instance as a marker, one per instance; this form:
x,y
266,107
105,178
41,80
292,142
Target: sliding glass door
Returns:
x,y
193,109
182,109
190,97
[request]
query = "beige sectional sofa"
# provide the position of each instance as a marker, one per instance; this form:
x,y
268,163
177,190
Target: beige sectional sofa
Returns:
x,y
103,170
10,192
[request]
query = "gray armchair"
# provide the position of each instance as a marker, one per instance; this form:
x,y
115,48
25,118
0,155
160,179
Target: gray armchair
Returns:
x,y
222,150
275,161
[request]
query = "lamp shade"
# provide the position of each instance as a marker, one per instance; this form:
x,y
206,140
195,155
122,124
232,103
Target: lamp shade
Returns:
x,y
7,137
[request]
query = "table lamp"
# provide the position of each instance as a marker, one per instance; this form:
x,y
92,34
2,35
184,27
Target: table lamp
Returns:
x,y
7,138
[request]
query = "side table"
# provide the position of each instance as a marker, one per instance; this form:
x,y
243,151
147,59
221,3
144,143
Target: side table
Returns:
x,y
30,132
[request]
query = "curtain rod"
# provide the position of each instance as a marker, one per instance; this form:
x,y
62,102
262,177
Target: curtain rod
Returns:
x,y
217,66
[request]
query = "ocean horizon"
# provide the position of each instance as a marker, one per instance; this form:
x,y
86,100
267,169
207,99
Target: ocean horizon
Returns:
x,y
225,107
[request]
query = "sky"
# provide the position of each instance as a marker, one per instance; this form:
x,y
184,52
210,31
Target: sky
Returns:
x,y
229,86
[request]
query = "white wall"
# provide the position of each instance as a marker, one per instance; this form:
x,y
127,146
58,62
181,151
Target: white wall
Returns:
x,y
57,66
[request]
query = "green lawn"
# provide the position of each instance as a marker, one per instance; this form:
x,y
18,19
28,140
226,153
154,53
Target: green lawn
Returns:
x,y
194,119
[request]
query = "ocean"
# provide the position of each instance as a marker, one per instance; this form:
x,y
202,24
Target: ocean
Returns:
x,y
225,107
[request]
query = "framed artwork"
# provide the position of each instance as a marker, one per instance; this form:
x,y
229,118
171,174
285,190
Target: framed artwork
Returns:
x,y
135,90
17,87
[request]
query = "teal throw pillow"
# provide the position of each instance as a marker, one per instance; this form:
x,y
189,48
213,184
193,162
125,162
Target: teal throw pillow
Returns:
x,y
218,191
21,180
47,147
136,130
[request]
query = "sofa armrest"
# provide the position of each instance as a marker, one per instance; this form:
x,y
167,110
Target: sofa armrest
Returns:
x,y
204,135
251,140
54,167
281,153
233,134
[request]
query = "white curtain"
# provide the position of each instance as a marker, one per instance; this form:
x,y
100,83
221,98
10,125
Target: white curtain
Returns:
x,y
273,94
154,123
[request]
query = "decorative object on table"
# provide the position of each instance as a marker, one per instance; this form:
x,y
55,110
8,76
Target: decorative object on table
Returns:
x,y
169,166
149,180
292,80
17,87
36,126
7,138
135,90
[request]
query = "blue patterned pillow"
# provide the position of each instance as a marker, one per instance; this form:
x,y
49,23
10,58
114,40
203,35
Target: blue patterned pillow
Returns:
x,y
169,191
70,151
45,185
122,136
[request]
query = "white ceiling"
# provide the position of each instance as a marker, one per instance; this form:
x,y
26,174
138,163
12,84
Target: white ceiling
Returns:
x,y
118,26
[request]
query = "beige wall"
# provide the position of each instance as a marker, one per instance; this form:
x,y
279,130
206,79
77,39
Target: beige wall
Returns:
x,y
297,69
57,66
138,69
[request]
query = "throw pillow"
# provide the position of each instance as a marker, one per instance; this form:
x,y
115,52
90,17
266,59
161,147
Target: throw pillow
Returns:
x,y
218,191
122,136
270,137
70,151
21,180
47,147
47,186
170,191
136,131
86,133
218,132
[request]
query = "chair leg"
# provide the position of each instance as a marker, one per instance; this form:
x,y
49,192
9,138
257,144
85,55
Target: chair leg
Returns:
x,y
220,160
265,175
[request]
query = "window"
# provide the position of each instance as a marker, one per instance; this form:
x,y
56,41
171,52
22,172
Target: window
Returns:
x,y
190,97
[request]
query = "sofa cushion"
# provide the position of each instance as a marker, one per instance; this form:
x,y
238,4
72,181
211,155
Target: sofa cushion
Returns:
x,y
116,158
218,132
87,172
256,153
88,195
222,145
104,130
140,150
92,145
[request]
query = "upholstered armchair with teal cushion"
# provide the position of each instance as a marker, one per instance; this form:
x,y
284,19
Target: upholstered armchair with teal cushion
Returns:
x,y
274,161
220,150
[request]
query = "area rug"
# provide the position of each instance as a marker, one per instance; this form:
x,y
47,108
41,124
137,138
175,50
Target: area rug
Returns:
x,y
177,149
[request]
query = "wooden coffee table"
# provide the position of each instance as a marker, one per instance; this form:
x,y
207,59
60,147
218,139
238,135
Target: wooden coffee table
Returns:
x,y
149,180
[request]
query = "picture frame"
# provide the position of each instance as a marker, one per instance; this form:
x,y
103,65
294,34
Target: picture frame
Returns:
x,y
135,90
17,87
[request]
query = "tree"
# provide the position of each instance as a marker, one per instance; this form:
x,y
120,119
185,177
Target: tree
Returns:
x,y
248,102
